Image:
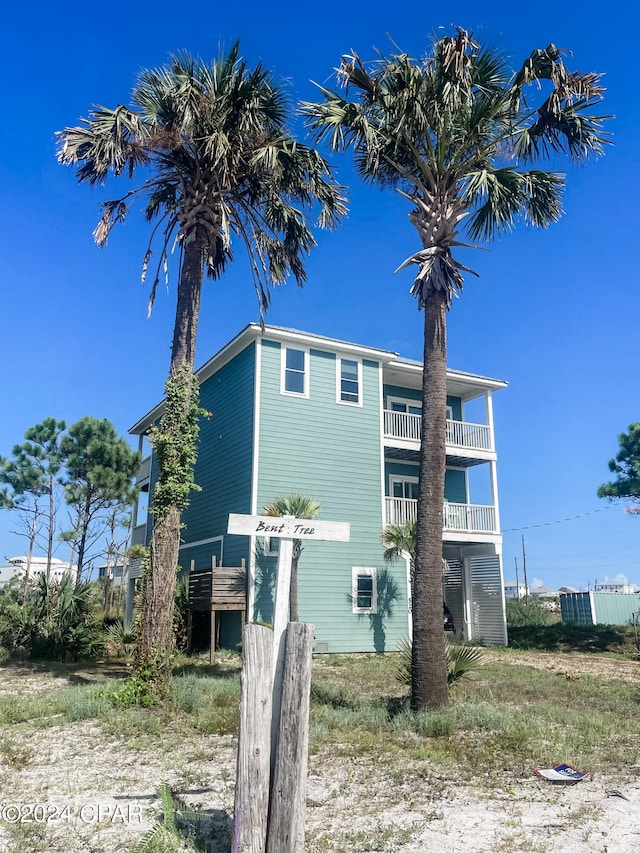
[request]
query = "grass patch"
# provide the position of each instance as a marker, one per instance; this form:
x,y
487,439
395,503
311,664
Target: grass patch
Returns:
x,y
502,724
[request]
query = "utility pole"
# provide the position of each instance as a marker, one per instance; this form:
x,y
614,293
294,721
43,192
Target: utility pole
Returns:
x,y
524,569
517,580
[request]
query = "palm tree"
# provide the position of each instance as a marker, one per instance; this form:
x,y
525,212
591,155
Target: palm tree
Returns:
x,y
217,162
300,506
452,132
399,540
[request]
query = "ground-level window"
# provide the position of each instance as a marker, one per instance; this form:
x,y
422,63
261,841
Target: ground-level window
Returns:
x,y
295,371
364,590
349,381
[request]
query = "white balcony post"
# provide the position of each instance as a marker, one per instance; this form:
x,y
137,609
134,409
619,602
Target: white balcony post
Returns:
x,y
493,474
489,407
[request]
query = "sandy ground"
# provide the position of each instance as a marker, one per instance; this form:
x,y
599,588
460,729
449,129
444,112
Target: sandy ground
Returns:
x,y
68,788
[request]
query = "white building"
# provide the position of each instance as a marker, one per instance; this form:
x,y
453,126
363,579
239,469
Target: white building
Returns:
x,y
616,586
17,567
514,590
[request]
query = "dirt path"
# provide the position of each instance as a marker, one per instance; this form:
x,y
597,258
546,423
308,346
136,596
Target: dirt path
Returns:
x,y
100,790
572,664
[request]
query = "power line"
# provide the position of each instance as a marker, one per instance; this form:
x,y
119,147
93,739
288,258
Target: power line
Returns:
x,y
559,520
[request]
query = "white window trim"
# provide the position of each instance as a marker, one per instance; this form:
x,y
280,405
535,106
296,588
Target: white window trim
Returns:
x,y
466,478
404,400
400,478
373,574
283,370
339,399
269,543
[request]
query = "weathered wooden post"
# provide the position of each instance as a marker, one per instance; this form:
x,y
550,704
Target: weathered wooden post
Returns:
x,y
287,803
285,769
254,741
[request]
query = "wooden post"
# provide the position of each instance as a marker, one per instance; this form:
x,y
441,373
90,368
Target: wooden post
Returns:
x,y
254,742
212,618
289,784
280,620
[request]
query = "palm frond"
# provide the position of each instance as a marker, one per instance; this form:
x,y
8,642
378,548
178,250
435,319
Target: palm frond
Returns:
x,y
503,196
462,661
296,504
222,164
448,131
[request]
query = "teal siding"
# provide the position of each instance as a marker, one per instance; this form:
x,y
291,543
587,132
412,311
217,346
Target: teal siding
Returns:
x,y
332,452
223,469
399,391
399,469
455,486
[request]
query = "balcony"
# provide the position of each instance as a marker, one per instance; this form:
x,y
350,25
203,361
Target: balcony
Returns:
x,y
458,518
144,474
139,535
405,430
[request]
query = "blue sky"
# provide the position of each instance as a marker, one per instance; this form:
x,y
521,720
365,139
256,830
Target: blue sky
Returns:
x,y
554,313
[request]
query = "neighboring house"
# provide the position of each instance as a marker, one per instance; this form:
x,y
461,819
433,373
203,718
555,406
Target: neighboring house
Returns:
x,y
514,590
114,573
544,592
296,412
17,567
621,587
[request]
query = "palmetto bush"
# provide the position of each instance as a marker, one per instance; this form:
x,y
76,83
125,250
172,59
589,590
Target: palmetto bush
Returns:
x,y
59,621
462,659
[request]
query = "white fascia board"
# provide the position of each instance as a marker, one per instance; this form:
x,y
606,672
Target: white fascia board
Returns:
x,y
322,342
465,385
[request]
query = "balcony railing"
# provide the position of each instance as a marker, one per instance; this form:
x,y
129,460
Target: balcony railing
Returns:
x,y
139,535
459,433
467,518
144,471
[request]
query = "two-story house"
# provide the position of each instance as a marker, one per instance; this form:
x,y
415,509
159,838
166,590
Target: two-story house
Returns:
x,y
292,412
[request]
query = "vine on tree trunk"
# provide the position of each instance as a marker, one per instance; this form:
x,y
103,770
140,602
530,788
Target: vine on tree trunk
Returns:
x,y
175,441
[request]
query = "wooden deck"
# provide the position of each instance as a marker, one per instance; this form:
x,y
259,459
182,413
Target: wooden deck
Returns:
x,y
220,588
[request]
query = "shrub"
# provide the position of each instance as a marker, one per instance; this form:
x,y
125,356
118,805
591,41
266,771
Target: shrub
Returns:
x,y
520,613
58,621
462,660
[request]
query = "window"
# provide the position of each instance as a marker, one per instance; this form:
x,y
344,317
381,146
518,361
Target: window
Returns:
x,y
349,380
409,407
294,372
364,591
272,546
404,487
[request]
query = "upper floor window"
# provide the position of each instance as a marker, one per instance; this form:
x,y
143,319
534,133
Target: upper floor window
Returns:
x,y
295,369
349,381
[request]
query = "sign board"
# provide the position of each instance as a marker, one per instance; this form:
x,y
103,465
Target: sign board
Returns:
x,y
288,527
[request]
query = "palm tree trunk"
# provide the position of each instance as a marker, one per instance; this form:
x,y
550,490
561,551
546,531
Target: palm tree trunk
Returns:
x,y
429,672
155,640
52,516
